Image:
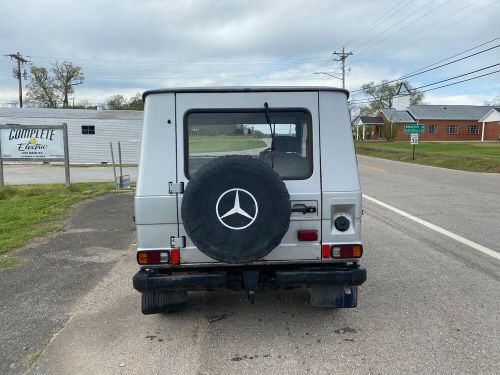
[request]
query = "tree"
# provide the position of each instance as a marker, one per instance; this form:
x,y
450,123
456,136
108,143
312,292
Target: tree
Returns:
x,y
116,102
381,96
41,88
389,130
493,102
66,76
135,103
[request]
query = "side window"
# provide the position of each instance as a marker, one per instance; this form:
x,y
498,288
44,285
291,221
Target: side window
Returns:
x,y
88,129
432,129
452,129
473,129
285,144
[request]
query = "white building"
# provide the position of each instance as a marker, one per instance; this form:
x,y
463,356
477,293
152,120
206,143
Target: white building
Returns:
x,y
89,131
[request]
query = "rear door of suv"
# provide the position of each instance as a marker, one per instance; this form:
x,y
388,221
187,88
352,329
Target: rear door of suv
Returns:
x,y
213,124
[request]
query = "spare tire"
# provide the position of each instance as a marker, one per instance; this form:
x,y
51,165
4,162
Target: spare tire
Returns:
x,y
236,209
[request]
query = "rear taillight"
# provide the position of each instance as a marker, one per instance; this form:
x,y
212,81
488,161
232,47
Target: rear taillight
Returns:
x,y
325,251
175,256
341,251
156,257
307,235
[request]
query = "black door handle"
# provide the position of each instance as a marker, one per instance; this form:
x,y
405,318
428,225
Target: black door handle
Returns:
x,y
303,208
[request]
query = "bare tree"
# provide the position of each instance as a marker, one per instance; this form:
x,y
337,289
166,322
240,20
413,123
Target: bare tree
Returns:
x,y
66,76
41,88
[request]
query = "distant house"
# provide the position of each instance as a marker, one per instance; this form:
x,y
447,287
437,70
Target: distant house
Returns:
x,y
445,122
490,125
362,123
89,131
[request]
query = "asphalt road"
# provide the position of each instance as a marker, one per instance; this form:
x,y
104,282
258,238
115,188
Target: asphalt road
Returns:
x,y
431,304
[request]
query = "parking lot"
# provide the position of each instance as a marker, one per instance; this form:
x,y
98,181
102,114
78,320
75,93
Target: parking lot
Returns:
x,y
430,304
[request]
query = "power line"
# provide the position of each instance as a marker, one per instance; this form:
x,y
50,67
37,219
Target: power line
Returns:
x,y
405,44
434,68
458,54
377,22
368,100
458,76
392,26
395,32
464,80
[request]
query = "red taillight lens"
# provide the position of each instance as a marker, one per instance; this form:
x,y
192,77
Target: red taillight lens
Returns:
x,y
325,251
153,257
307,235
175,256
347,251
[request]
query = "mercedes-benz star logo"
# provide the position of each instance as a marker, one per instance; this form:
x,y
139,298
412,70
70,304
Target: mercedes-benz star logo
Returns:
x,y
237,210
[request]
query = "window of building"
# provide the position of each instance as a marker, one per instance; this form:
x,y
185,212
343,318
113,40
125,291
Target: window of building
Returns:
x,y
452,129
473,129
286,145
432,129
88,129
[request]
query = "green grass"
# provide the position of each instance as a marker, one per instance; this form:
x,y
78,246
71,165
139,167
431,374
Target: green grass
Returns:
x,y
30,211
467,156
200,144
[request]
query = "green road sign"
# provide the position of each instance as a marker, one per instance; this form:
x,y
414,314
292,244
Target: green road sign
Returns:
x,y
414,128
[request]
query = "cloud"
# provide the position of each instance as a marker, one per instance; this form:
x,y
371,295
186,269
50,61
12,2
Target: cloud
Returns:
x,y
128,46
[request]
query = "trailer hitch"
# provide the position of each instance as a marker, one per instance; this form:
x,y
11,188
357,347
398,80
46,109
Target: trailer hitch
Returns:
x,y
250,281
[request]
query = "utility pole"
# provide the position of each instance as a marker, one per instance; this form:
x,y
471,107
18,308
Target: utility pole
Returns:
x,y
18,74
342,58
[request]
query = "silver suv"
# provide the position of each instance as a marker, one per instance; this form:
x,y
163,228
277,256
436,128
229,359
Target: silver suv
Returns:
x,y
247,187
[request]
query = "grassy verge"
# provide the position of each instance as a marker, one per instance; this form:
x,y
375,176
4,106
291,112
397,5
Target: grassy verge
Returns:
x,y
30,211
467,156
223,143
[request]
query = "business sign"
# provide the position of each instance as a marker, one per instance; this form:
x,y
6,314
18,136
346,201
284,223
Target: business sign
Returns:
x,y
30,142
414,128
34,143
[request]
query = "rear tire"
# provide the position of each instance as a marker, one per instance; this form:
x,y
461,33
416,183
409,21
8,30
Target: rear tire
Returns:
x,y
154,302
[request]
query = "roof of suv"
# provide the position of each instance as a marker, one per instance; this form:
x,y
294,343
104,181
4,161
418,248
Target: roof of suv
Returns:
x,y
244,89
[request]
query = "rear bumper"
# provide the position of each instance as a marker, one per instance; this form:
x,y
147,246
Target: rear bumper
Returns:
x,y
202,280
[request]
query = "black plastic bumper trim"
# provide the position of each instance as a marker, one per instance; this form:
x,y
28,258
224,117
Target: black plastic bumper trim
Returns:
x,y
144,280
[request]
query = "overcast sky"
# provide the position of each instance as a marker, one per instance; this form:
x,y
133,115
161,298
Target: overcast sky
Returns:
x,y
127,46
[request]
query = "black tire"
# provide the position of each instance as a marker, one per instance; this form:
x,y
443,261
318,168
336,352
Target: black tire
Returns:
x,y
212,193
154,302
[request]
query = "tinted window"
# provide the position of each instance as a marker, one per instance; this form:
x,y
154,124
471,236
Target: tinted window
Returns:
x,y
285,144
88,129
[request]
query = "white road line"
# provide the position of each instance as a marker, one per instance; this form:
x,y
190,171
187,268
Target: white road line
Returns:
x,y
456,237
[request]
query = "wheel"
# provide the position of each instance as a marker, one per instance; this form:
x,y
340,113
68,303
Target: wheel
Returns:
x,y
236,209
154,302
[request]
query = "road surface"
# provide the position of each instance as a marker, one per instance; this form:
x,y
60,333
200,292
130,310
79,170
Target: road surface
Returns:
x,y
431,303
18,174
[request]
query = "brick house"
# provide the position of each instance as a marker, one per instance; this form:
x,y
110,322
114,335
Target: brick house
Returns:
x,y
445,122
490,125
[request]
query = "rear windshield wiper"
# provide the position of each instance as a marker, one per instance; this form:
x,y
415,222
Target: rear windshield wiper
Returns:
x,y
268,118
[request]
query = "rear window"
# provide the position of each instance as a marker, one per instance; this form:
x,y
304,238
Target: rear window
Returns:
x,y
285,144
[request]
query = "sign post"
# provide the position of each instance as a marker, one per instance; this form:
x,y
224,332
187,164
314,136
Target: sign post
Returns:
x,y
414,130
45,143
414,142
1,166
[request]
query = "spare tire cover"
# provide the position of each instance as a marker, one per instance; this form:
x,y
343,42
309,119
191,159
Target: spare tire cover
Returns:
x,y
236,209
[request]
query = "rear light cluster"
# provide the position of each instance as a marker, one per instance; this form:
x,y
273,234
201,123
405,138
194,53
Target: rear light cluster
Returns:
x,y
158,257
341,251
307,235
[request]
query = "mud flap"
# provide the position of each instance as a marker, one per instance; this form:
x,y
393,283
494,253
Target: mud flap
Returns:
x,y
250,280
334,296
